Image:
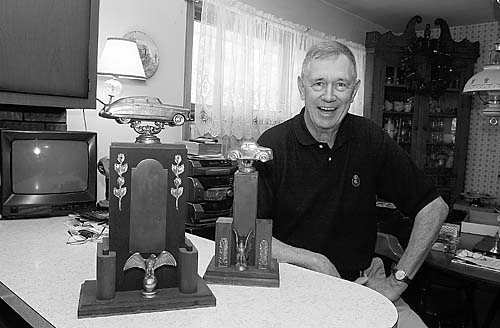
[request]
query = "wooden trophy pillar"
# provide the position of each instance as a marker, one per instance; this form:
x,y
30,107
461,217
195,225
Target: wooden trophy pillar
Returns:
x,y
243,242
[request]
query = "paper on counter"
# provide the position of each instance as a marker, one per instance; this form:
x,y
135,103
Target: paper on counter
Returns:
x,y
477,259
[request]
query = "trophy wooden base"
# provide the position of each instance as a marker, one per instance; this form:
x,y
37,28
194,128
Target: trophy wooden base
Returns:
x,y
251,277
128,302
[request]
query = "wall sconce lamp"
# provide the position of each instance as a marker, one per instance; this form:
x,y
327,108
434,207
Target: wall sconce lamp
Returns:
x,y
119,59
486,84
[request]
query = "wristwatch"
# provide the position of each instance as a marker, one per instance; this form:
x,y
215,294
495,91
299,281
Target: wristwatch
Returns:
x,y
401,275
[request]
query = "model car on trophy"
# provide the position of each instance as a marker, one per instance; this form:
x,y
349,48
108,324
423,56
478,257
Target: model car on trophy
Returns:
x,y
145,108
137,110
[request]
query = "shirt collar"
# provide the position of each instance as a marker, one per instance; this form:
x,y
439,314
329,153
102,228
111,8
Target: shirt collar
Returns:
x,y
305,138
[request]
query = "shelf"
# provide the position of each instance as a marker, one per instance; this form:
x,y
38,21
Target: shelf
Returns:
x,y
398,113
399,86
439,171
440,144
442,115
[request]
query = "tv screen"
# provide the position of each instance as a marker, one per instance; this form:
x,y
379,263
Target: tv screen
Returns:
x,y
48,54
47,173
49,166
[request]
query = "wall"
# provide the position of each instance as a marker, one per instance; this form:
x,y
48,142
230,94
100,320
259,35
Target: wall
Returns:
x,y
51,119
483,158
165,23
319,16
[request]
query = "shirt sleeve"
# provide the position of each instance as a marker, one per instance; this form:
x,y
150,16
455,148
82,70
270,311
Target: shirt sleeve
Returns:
x,y
400,181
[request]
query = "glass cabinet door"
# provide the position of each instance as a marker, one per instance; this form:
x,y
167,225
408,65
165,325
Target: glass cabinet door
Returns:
x,y
398,108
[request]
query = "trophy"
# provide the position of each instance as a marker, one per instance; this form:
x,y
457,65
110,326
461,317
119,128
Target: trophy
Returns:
x,y
489,245
243,242
147,264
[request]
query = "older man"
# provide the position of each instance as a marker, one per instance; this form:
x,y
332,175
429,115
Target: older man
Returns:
x,y
329,166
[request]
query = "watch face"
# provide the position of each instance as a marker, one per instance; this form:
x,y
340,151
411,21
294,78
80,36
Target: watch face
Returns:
x,y
400,275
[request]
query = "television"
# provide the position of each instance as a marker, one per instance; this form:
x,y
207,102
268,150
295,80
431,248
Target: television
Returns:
x,y
48,54
47,173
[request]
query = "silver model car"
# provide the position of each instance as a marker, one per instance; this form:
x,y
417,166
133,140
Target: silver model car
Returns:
x,y
144,108
250,151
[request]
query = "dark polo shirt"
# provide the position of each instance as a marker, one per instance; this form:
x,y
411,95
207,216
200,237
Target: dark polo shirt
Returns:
x,y
323,199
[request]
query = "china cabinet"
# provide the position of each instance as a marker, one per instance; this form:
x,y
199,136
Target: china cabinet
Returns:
x,y
414,92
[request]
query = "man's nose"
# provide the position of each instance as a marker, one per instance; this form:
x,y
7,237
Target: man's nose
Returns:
x,y
329,94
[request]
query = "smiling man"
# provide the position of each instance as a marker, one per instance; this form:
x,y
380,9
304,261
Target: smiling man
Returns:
x,y
321,187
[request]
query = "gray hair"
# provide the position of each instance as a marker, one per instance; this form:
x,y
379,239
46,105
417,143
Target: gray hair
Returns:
x,y
324,50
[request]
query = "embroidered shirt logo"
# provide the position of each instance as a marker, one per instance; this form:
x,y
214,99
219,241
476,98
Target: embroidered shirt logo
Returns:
x,y
356,181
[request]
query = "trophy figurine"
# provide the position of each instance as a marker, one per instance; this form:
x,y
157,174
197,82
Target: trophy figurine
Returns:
x,y
242,249
243,242
149,266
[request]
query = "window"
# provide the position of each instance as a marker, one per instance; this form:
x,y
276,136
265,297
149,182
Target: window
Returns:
x,y
245,66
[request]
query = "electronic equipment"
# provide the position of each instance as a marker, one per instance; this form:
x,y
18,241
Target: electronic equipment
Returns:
x,y
54,45
208,211
205,166
92,215
47,173
210,189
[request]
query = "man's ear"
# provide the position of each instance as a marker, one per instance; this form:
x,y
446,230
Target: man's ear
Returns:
x,y
300,84
355,90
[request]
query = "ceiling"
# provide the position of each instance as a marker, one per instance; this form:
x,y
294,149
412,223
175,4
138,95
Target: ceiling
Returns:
x,y
394,14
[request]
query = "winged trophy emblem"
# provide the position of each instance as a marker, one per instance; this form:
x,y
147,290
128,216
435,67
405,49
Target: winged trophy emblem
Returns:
x,y
242,249
149,266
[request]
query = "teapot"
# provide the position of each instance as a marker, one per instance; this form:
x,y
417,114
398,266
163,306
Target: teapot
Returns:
x,y
408,105
388,105
398,106
390,128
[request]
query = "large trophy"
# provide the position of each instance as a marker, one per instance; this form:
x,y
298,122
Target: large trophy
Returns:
x,y
147,264
243,242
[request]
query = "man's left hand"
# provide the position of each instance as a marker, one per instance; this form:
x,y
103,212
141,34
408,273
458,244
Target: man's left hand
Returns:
x,y
374,278
389,287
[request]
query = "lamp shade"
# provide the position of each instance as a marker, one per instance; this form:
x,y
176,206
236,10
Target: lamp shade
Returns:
x,y
487,85
486,80
120,58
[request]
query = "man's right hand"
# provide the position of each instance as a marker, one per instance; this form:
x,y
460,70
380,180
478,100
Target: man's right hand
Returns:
x,y
303,258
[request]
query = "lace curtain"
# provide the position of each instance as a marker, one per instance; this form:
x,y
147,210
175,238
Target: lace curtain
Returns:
x,y
245,70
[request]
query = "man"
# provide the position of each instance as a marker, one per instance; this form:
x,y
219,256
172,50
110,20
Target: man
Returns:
x,y
320,189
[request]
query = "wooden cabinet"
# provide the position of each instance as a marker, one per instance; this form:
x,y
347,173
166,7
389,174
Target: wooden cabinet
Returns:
x,y
414,92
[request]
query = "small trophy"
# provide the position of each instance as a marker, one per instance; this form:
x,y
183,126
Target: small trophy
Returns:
x,y
243,242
